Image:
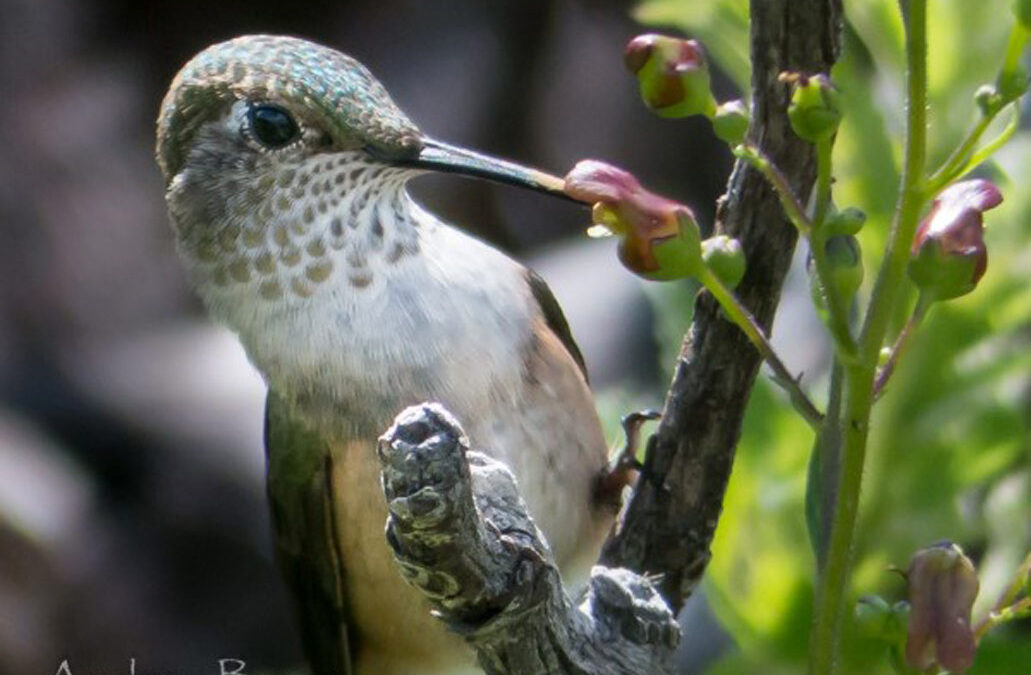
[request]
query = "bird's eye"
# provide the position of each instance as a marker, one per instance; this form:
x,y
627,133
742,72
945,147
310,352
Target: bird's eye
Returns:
x,y
272,126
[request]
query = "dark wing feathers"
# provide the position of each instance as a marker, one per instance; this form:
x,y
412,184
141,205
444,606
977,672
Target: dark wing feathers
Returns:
x,y
554,317
300,493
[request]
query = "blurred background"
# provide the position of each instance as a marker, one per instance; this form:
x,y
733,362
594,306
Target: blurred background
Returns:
x,y
132,514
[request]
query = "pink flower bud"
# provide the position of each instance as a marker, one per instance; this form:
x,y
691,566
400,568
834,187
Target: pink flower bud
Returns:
x,y
672,75
659,238
948,256
942,588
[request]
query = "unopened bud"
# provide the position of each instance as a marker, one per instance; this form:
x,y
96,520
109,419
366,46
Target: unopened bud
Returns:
x,y
815,108
845,267
658,237
948,256
847,221
672,75
988,100
942,588
730,123
880,620
725,258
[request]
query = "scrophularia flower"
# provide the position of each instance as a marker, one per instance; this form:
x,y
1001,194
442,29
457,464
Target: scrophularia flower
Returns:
x,y
942,588
672,75
948,256
659,237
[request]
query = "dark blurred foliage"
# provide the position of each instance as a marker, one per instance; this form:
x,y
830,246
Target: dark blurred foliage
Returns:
x,y
132,515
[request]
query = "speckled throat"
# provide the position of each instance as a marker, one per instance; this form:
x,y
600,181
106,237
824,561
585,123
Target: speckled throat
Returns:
x,y
328,270
285,233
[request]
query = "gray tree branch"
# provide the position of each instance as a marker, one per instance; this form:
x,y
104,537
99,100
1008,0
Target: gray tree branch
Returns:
x,y
461,534
669,524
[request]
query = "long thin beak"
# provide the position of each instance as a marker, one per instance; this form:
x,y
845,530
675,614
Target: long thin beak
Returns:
x,y
437,156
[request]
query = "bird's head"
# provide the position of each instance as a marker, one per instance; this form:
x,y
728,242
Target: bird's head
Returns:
x,y
273,151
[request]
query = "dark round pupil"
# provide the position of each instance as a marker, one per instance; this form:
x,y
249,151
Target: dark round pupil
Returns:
x,y
272,126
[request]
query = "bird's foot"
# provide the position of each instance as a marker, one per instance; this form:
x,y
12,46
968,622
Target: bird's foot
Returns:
x,y
624,467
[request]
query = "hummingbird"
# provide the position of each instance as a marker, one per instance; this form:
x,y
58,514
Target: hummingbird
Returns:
x,y
286,165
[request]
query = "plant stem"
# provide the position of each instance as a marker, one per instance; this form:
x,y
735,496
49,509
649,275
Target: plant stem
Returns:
x,y
739,315
824,471
963,159
833,582
1017,610
1014,48
1007,604
837,311
810,229
792,207
823,180
967,157
885,372
833,577
960,156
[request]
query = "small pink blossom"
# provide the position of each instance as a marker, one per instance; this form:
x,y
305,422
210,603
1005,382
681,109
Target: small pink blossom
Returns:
x,y
643,220
948,256
672,73
942,588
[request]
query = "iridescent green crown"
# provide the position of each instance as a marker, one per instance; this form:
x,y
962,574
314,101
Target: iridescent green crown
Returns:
x,y
341,94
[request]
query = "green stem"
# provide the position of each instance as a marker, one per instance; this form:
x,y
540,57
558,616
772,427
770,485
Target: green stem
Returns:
x,y
738,314
1008,600
1014,48
989,148
833,577
792,207
833,582
1017,610
967,157
823,180
837,312
960,157
963,159
885,372
824,463
889,284
809,229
